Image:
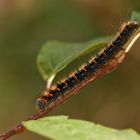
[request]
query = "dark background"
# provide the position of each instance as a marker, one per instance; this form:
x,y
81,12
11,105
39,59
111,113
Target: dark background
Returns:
x,y
25,25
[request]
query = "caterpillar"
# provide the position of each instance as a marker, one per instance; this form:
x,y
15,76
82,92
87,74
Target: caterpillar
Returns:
x,y
109,56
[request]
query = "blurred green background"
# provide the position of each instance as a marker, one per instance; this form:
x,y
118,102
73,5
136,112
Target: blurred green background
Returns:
x,y
25,25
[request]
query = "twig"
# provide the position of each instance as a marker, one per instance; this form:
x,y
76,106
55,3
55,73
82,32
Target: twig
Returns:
x,y
111,65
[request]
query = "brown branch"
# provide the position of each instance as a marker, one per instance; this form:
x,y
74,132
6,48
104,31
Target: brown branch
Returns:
x,y
104,70
111,65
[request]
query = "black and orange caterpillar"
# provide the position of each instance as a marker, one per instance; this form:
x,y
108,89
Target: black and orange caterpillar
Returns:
x,y
112,51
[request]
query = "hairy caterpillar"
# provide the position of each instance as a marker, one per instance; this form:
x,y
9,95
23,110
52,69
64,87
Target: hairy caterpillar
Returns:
x,y
113,54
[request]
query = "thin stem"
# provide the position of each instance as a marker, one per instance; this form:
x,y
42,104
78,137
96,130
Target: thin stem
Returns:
x,y
112,64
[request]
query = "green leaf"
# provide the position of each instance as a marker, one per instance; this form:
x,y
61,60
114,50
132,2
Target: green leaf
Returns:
x,y
55,56
135,16
62,128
